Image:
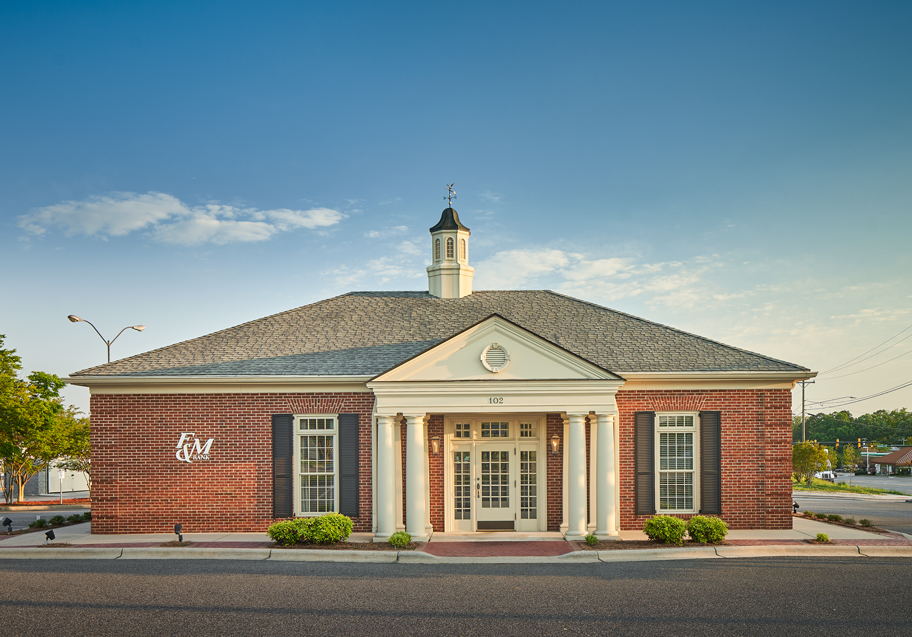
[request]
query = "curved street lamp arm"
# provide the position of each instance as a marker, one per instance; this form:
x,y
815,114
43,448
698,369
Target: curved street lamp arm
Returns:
x,y
99,333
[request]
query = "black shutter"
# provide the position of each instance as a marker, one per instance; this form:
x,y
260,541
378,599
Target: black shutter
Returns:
x,y
282,468
711,462
644,462
348,465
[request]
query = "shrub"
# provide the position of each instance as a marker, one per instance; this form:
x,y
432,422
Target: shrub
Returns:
x,y
823,537
285,532
666,529
328,529
591,540
400,539
835,517
823,516
76,517
57,519
86,516
39,523
850,521
705,529
865,522
809,514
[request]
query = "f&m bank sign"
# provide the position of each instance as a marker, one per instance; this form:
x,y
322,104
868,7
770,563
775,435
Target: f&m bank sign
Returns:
x,y
190,448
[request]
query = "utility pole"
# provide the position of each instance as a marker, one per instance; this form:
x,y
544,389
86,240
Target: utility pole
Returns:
x,y
803,419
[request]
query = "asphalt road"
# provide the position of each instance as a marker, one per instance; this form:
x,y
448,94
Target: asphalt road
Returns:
x,y
894,515
895,483
771,596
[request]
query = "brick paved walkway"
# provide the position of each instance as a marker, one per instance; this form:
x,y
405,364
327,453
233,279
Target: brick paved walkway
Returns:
x,y
497,549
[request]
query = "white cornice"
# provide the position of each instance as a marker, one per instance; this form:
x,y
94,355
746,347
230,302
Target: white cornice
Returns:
x,y
726,376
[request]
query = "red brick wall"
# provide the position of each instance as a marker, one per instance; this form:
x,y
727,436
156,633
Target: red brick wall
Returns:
x,y
138,486
555,477
436,467
756,452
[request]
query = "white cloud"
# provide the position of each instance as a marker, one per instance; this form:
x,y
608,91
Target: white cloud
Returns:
x,y
408,247
169,220
386,232
494,197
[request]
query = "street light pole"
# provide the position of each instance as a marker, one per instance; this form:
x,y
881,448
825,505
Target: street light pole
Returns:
x,y
803,420
75,319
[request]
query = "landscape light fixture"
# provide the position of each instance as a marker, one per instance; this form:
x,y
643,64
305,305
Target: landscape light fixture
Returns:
x,y
49,536
555,445
795,507
75,319
8,524
177,531
435,445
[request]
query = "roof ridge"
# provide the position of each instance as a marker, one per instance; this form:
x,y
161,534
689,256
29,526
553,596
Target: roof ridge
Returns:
x,y
679,331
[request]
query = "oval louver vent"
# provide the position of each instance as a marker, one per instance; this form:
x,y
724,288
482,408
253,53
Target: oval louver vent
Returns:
x,y
495,358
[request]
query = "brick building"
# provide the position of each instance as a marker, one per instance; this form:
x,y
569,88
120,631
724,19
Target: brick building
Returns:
x,y
442,411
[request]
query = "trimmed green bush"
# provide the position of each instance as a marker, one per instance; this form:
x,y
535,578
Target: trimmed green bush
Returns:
x,y
703,529
400,539
865,522
823,516
57,519
76,517
86,516
809,514
285,532
834,517
823,537
329,528
591,540
850,521
39,523
666,529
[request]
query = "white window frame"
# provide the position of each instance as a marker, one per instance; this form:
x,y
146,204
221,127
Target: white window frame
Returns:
x,y
298,434
694,429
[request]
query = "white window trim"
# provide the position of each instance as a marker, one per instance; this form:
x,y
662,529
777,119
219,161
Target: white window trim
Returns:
x,y
695,429
296,460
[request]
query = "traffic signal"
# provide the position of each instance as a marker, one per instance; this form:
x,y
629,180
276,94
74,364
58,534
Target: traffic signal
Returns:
x,y
837,443
859,443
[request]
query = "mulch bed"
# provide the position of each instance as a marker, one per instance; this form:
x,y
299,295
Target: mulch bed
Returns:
x,y
349,546
625,545
44,503
174,543
871,529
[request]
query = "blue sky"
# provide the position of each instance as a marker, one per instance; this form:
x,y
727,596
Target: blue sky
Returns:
x,y
737,170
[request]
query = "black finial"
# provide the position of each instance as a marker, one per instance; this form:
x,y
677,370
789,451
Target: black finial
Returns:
x,y
451,194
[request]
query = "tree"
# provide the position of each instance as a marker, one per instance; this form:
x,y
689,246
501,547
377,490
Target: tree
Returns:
x,y
850,458
807,459
73,429
30,421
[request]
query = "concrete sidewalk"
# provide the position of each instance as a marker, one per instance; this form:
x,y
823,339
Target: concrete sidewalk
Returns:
x,y
543,548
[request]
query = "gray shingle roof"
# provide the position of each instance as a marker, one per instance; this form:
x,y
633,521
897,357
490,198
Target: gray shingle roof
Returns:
x,y
370,332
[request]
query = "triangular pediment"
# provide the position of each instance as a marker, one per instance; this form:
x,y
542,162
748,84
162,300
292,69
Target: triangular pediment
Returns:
x,y
496,349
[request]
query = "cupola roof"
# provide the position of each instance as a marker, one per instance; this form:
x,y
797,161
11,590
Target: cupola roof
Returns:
x,y
449,220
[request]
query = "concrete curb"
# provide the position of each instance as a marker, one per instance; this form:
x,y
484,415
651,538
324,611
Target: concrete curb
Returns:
x,y
886,551
315,555
650,555
72,553
790,551
190,553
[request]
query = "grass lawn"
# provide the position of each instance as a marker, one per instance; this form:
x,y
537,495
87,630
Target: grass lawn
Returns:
x,y
823,485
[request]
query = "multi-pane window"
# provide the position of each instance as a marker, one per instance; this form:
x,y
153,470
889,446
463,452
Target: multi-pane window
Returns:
x,y
676,462
449,248
495,430
463,430
316,454
462,250
436,249
462,485
528,485
526,430
495,479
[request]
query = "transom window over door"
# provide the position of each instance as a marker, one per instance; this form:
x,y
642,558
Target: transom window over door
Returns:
x,y
676,470
495,430
317,467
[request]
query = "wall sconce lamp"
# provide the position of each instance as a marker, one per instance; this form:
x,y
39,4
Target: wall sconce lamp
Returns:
x,y
435,445
555,445
177,531
49,536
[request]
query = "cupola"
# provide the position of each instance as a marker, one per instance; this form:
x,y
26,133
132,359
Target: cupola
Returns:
x,y
449,275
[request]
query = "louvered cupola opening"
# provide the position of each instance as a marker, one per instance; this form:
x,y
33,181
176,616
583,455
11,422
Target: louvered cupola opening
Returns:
x,y
449,275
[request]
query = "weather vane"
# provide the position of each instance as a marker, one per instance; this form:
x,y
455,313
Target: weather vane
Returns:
x,y
451,194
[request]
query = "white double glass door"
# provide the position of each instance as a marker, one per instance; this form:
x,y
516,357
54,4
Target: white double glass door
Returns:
x,y
495,487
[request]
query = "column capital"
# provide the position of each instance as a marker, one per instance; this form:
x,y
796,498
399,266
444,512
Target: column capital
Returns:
x,y
578,417
415,419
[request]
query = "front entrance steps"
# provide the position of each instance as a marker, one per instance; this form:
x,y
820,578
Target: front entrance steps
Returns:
x,y
500,536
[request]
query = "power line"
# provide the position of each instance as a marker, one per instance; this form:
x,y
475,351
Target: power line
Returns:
x,y
846,364
864,398
872,366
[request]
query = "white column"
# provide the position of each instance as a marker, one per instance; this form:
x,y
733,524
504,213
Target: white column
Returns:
x,y
576,479
416,479
605,478
386,478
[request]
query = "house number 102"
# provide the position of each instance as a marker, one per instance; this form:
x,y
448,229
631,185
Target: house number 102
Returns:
x,y
495,401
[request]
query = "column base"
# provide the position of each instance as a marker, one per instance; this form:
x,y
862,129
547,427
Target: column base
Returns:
x,y
604,535
575,537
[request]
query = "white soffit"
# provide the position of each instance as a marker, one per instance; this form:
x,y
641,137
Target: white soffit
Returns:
x,y
530,358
